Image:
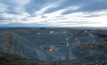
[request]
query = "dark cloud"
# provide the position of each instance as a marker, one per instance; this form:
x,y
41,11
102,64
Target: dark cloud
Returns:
x,y
25,19
10,6
1,18
35,5
90,7
18,24
5,19
66,3
84,6
94,15
43,16
81,22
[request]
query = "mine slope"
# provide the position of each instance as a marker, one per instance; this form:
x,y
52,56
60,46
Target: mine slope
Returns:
x,y
54,44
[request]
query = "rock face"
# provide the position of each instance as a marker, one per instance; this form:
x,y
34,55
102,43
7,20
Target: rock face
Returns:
x,y
54,44
10,59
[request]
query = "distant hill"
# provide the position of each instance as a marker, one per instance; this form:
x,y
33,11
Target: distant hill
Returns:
x,y
82,28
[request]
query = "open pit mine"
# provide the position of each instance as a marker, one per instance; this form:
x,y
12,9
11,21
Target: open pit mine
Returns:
x,y
57,46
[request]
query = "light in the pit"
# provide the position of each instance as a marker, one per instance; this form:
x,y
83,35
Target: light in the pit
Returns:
x,y
65,32
85,31
51,31
66,38
50,48
67,44
73,43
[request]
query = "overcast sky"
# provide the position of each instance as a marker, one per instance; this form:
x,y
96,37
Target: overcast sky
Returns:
x,y
58,13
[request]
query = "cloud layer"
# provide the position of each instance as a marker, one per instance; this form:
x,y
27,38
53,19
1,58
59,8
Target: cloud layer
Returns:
x,y
63,13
